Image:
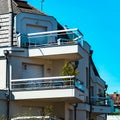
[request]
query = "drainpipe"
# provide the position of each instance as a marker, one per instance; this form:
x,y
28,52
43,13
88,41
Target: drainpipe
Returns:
x,y
10,8
6,53
90,55
75,111
76,104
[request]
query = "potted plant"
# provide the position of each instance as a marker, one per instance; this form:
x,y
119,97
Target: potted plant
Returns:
x,y
69,69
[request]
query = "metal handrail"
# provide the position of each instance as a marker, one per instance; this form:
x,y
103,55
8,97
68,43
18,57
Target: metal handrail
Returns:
x,y
34,117
44,78
56,31
46,83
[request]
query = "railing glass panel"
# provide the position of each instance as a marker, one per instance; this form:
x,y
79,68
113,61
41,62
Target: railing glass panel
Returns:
x,y
46,83
105,101
50,38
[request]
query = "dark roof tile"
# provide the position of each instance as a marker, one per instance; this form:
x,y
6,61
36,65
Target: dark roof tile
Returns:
x,y
23,6
18,6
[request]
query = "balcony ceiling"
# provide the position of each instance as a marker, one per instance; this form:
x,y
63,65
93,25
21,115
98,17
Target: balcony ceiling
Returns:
x,y
62,56
70,52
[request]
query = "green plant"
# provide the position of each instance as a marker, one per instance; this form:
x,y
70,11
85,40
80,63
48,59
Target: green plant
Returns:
x,y
3,118
114,113
47,111
69,69
25,113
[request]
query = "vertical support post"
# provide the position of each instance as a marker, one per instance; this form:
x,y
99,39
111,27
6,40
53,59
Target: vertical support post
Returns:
x,y
6,53
90,55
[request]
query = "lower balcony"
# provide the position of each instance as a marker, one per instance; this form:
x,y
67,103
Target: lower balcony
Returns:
x,y
101,105
62,88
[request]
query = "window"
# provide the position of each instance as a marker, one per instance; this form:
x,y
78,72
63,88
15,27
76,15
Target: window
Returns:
x,y
92,90
32,71
87,77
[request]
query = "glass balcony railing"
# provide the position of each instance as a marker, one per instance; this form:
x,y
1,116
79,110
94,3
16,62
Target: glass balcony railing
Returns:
x,y
101,101
50,38
46,83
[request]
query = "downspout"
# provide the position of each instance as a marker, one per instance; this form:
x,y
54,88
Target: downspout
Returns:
x,y
76,104
75,111
6,53
90,55
10,8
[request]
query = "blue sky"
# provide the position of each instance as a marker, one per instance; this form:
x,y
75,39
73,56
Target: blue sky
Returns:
x,y
99,21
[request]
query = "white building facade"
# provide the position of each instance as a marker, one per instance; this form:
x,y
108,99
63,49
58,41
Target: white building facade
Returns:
x,y
34,47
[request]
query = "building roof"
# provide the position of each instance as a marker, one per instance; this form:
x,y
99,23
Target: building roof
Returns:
x,y
23,6
17,6
115,97
93,66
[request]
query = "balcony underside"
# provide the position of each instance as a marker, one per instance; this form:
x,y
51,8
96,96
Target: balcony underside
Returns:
x,y
64,56
71,52
71,94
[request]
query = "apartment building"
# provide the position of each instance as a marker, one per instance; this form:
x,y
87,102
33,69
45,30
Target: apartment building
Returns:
x,y
116,98
116,109
34,49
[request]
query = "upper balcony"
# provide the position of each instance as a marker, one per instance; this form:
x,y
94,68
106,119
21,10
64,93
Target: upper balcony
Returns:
x,y
101,105
48,88
59,44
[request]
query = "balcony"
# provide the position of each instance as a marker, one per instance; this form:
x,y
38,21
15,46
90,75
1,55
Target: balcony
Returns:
x,y
35,118
48,88
101,105
60,44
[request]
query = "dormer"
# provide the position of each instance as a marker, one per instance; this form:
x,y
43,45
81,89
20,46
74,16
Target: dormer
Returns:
x,y
18,17
32,23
